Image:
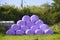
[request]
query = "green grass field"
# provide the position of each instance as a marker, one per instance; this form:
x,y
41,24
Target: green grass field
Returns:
x,y
30,37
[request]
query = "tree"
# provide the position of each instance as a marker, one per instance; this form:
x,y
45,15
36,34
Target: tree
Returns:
x,y
56,5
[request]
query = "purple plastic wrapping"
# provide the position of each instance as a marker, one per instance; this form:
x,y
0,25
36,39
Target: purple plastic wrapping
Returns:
x,y
38,31
10,32
26,18
29,32
39,22
24,28
48,31
34,18
29,25
44,27
15,27
19,32
35,27
20,22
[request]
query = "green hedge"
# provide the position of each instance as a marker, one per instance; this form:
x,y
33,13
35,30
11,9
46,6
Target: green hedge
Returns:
x,y
12,13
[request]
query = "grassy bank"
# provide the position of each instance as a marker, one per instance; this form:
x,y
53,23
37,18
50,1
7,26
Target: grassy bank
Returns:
x,y
30,37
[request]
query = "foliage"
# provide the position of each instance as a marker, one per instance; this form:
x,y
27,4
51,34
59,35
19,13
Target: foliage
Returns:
x,y
50,14
56,28
3,29
56,5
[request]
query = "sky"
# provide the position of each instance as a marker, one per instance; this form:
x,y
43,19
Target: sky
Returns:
x,y
25,2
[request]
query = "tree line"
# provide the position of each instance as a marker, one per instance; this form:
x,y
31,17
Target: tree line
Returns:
x,y
50,14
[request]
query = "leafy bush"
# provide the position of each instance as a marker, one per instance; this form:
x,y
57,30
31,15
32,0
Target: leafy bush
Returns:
x,y
56,28
13,13
3,29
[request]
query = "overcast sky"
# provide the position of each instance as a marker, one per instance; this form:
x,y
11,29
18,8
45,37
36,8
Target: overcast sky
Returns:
x,y
26,2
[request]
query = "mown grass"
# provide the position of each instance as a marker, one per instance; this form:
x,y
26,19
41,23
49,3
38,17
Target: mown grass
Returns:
x,y
30,37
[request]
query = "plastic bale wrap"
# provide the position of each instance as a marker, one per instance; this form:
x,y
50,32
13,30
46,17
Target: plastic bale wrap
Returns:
x,y
29,24
34,27
34,18
48,31
15,27
38,31
10,32
39,22
24,28
19,32
26,18
20,22
44,27
29,32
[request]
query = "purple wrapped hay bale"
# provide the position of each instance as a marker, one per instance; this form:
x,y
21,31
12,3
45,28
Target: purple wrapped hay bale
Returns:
x,y
10,32
38,31
24,28
20,22
48,31
34,18
15,27
29,32
39,22
44,27
29,24
19,32
26,18
34,27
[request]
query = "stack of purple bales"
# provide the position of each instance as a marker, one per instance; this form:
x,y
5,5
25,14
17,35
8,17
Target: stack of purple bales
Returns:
x,y
29,26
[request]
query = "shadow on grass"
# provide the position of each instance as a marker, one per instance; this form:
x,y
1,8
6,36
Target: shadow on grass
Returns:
x,y
56,32
3,34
